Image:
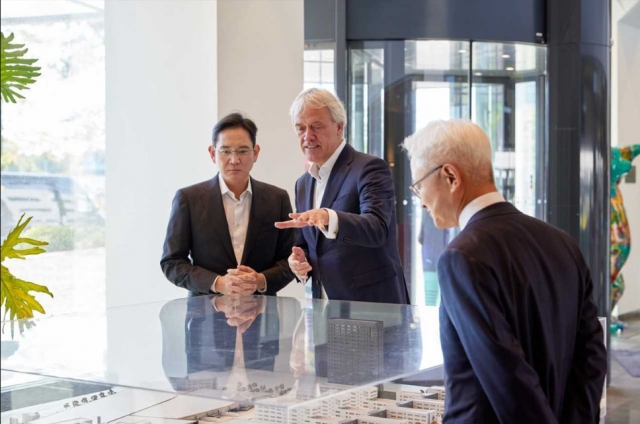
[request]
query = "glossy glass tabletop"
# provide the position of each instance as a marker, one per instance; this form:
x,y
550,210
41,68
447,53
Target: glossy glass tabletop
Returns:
x,y
244,349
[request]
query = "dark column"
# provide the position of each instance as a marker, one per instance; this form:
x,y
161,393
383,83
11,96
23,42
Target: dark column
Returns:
x,y
578,36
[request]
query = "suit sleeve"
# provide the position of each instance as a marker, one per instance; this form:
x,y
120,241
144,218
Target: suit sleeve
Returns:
x,y
587,376
370,228
175,262
280,274
471,297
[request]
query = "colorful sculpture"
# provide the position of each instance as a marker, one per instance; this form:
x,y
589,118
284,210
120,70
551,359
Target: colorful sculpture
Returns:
x,y
621,159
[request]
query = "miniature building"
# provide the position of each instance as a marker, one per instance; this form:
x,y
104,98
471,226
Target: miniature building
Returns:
x,y
368,419
430,405
414,416
355,353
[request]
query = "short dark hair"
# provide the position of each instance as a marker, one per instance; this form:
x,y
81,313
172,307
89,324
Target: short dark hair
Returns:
x,y
235,120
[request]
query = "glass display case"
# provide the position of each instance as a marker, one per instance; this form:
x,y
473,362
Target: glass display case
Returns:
x,y
219,359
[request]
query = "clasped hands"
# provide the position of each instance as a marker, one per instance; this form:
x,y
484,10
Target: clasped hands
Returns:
x,y
241,281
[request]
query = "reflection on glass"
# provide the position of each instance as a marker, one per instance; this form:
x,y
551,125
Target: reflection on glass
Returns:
x,y
398,87
440,91
507,97
366,100
243,349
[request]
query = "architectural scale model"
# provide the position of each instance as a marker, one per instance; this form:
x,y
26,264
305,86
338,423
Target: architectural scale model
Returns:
x,y
343,405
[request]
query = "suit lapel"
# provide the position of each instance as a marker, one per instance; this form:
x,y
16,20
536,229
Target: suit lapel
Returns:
x,y
337,176
214,209
258,203
308,194
309,186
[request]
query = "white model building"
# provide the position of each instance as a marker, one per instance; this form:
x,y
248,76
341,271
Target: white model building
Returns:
x,y
414,416
369,419
378,403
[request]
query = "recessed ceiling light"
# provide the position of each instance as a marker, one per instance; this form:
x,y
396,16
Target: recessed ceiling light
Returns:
x,y
462,51
478,74
509,68
506,56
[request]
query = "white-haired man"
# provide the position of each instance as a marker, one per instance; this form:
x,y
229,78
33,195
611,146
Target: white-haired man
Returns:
x,y
518,326
345,210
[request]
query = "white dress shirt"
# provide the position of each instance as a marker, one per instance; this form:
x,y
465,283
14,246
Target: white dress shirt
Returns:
x,y
476,205
237,214
321,175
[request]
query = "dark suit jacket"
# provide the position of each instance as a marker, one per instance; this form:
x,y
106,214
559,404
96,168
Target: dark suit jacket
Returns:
x,y
362,263
518,325
198,245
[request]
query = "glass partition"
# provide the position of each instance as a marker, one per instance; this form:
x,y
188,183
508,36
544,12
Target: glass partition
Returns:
x,y
398,87
53,150
319,65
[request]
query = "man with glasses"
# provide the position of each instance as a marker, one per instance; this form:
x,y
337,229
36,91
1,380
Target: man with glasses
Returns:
x,y
220,237
518,326
346,211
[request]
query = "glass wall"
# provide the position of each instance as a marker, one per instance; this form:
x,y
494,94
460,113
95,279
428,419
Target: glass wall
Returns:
x,y
398,87
319,67
53,150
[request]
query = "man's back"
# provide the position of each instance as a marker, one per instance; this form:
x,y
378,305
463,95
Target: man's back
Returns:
x,y
519,328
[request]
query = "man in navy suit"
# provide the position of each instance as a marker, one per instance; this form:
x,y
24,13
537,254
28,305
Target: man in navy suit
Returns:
x,y
345,210
519,328
220,238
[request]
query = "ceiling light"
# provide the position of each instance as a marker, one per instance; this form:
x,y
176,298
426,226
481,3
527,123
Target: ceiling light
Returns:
x,y
506,56
509,68
478,74
462,51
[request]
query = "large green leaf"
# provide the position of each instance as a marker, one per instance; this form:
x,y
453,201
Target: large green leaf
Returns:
x,y
15,71
15,296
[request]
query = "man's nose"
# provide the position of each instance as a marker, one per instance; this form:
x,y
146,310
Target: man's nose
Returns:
x,y
309,136
234,157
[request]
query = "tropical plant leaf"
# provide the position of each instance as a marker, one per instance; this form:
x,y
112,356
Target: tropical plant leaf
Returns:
x,y
15,296
16,72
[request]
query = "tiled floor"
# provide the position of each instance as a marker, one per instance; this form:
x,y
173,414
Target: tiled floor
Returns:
x,y
623,394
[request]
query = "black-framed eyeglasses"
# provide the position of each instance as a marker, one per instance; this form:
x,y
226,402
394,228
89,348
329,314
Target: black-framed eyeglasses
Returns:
x,y
414,187
239,152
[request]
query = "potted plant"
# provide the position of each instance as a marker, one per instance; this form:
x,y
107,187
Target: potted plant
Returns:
x,y
17,73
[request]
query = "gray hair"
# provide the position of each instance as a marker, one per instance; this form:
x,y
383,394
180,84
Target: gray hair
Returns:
x,y
317,98
456,141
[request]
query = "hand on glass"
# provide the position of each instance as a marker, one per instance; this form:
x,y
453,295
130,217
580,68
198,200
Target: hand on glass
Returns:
x,y
298,263
240,311
313,217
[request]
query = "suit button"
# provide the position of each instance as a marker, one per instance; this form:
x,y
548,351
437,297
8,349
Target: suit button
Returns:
x,y
347,240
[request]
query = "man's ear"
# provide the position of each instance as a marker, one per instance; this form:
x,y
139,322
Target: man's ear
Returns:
x,y
453,177
212,153
256,152
341,129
